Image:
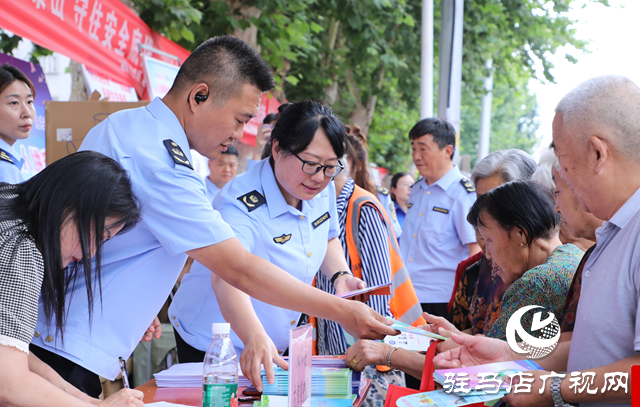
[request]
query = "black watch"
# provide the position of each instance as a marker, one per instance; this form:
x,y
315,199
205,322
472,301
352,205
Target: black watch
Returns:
x,y
338,274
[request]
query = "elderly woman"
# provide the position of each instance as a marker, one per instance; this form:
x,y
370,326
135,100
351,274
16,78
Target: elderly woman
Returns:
x,y
478,294
544,176
519,225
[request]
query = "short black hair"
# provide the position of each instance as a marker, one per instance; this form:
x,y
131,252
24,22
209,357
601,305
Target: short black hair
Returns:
x,y
524,205
231,150
298,123
443,133
10,74
270,118
225,63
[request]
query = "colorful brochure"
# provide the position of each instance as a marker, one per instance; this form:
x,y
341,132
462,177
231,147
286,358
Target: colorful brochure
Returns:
x,y
402,327
382,289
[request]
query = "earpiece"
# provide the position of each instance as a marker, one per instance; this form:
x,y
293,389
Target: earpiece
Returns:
x,y
199,98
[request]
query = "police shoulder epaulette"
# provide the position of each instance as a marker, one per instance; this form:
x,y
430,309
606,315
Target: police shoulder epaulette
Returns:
x,y
5,157
467,185
382,190
176,153
416,183
252,200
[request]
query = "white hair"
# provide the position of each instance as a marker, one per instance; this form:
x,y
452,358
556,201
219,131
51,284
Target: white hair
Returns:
x,y
608,104
512,165
543,175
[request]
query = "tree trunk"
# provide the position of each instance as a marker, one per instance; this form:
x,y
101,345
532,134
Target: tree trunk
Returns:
x,y
331,91
362,115
78,87
250,35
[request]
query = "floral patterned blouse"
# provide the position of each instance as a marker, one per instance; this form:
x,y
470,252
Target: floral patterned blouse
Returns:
x,y
545,285
484,307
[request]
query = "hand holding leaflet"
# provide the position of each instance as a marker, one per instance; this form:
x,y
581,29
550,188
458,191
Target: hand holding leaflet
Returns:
x,y
382,289
402,327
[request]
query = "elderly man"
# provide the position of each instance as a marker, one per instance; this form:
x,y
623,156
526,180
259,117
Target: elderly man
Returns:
x,y
595,137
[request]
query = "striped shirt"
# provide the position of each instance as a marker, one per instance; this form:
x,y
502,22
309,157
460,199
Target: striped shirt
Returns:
x,y
376,268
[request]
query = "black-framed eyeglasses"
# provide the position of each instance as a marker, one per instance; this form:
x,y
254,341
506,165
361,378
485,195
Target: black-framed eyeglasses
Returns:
x,y
312,168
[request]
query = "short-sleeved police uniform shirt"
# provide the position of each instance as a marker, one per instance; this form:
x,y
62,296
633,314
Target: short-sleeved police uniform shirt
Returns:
x,y
10,164
294,240
436,234
139,268
212,189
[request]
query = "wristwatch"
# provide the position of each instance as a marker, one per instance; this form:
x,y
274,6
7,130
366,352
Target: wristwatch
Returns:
x,y
338,274
556,395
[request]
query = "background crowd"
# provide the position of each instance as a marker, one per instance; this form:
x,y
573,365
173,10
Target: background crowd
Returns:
x,y
462,252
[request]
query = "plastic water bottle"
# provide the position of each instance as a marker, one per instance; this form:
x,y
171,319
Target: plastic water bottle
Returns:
x,y
220,370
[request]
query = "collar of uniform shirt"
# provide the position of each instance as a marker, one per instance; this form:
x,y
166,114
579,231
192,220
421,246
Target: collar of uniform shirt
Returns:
x,y
17,159
163,114
446,180
626,212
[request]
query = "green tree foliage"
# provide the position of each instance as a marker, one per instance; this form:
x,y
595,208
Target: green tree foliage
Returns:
x,y
363,58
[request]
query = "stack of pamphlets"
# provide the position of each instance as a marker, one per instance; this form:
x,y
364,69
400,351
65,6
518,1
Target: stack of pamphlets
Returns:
x,y
469,385
283,401
189,375
336,361
325,382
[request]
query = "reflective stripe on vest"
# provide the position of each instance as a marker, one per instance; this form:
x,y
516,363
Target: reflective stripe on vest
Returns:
x,y
404,303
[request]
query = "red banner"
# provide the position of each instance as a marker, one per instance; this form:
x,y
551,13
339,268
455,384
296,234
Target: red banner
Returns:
x,y
102,34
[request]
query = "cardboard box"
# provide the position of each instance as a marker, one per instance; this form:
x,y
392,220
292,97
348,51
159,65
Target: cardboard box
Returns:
x,y
69,122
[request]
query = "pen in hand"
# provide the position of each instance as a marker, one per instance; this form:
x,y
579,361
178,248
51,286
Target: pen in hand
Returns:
x,y
125,374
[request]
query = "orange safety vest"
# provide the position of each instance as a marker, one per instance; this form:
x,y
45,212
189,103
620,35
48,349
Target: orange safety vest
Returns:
x,y
404,304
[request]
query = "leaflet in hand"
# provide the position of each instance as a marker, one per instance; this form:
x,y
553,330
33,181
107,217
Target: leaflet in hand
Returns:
x,y
409,341
382,289
402,327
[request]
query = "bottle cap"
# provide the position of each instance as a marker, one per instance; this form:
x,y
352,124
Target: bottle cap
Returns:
x,y
221,328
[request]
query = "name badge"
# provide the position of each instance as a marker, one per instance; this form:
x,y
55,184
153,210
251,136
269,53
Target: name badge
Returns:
x,y
441,210
322,219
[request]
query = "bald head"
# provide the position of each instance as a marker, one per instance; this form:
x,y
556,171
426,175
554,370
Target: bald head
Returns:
x,y
606,106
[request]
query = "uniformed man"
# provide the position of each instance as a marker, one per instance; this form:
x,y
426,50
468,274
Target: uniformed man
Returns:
x,y
221,171
16,119
216,92
436,235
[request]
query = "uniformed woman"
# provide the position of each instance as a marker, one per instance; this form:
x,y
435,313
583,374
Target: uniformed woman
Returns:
x,y
283,209
51,225
17,113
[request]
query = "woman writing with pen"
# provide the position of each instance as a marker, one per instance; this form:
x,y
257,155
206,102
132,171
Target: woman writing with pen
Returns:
x,y
51,225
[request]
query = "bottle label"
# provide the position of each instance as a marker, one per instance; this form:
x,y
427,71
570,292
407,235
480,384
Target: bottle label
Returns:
x,y
220,395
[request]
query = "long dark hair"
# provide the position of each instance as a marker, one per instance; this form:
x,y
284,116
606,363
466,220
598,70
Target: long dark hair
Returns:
x,y
359,171
86,187
394,183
